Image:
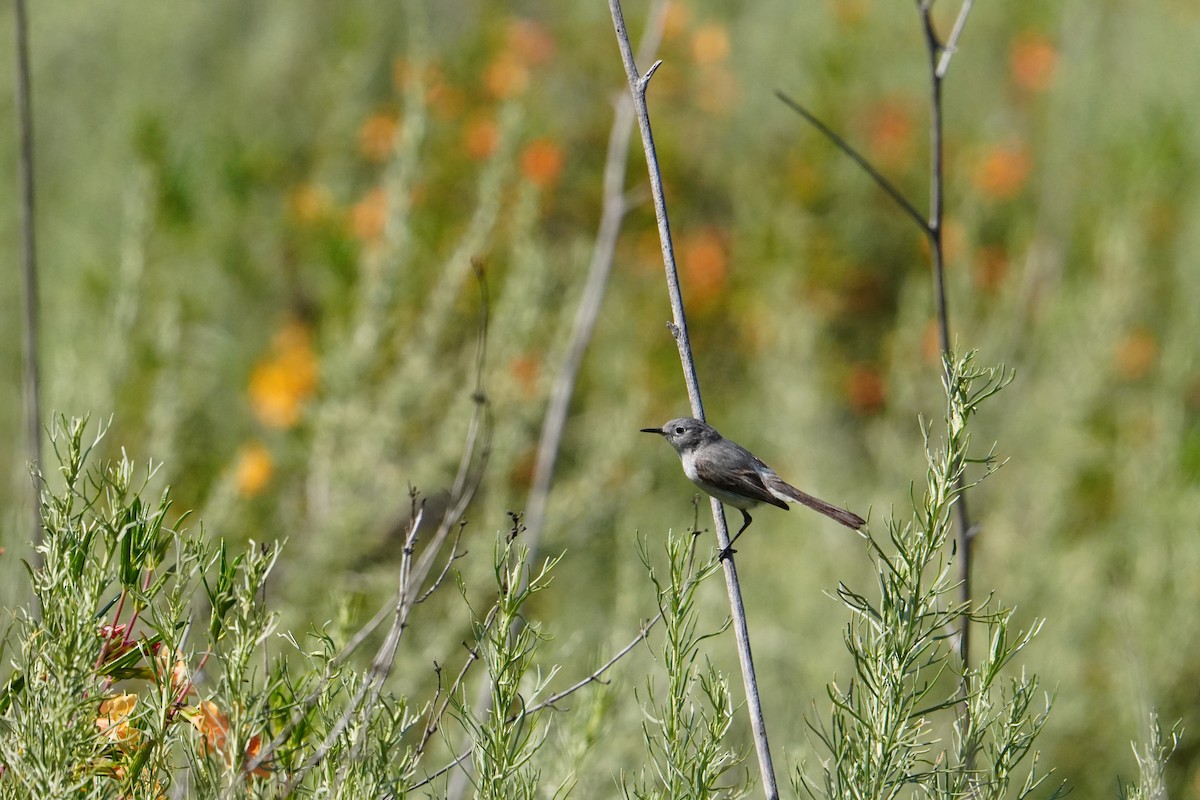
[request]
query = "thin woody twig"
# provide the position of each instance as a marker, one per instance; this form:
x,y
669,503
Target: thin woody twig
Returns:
x,y
595,677
637,87
32,381
614,207
951,45
935,52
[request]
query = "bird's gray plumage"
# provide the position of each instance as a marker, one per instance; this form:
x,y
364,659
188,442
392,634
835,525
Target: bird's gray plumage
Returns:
x,y
735,476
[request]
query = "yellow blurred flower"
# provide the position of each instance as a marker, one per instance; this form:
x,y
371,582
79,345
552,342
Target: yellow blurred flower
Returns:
x,y
506,76
310,203
676,21
253,469
710,44
283,381
113,721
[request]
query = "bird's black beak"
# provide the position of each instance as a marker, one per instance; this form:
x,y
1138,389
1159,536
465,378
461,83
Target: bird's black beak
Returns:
x,y
653,430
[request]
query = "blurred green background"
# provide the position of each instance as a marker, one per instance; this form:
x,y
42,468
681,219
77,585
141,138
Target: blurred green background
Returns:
x,y
256,223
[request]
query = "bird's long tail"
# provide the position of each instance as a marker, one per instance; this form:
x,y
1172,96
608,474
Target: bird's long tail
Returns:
x,y
790,493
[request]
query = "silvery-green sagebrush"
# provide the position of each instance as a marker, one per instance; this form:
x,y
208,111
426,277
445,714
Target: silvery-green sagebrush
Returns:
x,y
737,477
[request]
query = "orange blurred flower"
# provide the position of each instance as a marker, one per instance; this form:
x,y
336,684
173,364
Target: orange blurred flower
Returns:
x,y
481,137
505,77
1136,354
865,390
377,136
526,370
704,263
1031,60
213,724
529,41
1003,171
253,748
253,469
368,217
177,670
444,99
282,382
710,44
890,132
310,203
113,721
991,267
542,162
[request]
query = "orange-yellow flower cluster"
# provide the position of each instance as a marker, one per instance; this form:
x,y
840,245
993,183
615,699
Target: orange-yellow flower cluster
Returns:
x,y
213,725
377,136
284,380
542,163
253,469
113,721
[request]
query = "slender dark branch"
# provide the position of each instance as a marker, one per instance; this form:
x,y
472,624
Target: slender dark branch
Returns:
x,y
597,676
841,144
678,326
938,56
33,398
437,711
936,177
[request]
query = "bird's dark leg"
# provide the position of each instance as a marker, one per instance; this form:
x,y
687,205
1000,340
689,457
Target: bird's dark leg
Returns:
x,y
729,551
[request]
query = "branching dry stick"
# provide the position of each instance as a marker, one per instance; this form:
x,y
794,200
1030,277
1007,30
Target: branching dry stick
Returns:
x,y
470,474
939,56
380,668
939,61
33,399
612,214
637,87
595,677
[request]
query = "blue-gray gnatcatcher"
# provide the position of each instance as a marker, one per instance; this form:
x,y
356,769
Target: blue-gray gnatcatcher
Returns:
x,y
736,477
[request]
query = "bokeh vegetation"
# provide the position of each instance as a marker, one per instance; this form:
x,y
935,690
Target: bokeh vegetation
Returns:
x,y
257,229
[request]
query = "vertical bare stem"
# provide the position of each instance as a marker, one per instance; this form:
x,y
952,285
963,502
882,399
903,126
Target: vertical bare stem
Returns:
x,y
611,217
938,56
637,86
33,400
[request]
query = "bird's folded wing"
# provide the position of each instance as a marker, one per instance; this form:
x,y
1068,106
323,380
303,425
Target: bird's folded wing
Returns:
x,y
742,482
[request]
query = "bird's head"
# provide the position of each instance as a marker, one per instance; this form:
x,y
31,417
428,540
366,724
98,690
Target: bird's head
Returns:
x,y
685,433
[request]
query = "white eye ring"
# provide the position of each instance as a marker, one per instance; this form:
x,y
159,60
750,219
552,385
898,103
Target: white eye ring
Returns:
x,y
679,429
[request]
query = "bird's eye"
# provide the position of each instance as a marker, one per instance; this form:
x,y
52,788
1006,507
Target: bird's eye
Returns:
x,y
679,429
